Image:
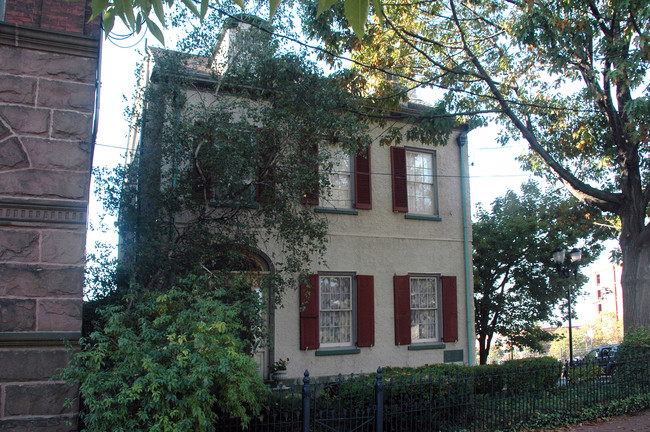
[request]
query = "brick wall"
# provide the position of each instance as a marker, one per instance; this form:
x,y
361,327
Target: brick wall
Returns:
x,y
47,105
58,15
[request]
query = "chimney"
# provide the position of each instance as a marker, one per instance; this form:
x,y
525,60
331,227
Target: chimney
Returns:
x,y
241,36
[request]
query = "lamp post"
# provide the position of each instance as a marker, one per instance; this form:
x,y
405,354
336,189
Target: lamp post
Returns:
x,y
575,255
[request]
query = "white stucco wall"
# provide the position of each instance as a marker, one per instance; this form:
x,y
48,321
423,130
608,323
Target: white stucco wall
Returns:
x,y
384,243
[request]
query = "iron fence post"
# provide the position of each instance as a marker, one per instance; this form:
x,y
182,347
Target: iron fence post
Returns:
x,y
306,401
379,402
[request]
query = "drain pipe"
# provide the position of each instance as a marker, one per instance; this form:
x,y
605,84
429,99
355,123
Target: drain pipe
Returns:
x,y
467,250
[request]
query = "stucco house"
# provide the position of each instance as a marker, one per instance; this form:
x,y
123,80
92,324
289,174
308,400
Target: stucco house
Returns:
x,y
396,289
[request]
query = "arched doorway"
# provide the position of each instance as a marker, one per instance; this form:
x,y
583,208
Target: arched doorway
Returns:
x,y
255,265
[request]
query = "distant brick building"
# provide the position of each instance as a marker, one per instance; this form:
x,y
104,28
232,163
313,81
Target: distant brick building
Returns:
x,y
49,56
606,292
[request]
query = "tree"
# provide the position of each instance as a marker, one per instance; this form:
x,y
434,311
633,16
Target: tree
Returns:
x,y
514,285
223,167
568,77
135,15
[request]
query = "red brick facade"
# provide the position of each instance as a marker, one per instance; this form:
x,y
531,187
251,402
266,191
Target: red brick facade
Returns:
x,y
48,89
57,15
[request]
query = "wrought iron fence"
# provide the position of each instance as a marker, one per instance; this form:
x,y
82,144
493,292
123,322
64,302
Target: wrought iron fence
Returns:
x,y
479,399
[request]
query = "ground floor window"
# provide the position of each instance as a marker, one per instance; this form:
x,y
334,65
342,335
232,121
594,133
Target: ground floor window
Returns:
x,y
335,310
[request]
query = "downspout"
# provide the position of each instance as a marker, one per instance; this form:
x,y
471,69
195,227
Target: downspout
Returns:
x,y
467,250
98,85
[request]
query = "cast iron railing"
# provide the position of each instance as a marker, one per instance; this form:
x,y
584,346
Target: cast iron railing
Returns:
x,y
478,400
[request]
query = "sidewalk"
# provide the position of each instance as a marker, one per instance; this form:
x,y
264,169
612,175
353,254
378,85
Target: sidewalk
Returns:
x,y
637,422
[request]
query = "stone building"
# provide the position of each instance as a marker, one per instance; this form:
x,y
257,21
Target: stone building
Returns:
x,y
49,63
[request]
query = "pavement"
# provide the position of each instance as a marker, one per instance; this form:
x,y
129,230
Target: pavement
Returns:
x,y
636,422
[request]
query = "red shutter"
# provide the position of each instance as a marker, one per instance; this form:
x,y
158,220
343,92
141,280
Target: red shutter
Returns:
x,y
310,195
402,299
309,337
398,171
449,309
362,184
365,311
260,186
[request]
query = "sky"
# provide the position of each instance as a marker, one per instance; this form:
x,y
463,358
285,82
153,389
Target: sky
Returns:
x,y
493,168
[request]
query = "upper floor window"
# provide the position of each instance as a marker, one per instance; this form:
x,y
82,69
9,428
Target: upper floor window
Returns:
x,y
414,182
340,193
349,183
419,181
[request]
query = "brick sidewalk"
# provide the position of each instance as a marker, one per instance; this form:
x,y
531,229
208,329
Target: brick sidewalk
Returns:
x,y
637,422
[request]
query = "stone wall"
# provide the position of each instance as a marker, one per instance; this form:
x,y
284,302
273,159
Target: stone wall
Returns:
x,y
48,76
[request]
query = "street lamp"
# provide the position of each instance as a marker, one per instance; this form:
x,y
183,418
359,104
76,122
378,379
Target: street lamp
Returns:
x,y
575,255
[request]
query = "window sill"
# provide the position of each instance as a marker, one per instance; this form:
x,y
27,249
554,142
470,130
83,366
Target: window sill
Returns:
x,y
426,346
233,204
422,217
336,211
337,351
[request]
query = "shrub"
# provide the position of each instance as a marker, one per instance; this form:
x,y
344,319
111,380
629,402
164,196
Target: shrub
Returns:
x,y
489,379
631,361
584,373
531,374
167,362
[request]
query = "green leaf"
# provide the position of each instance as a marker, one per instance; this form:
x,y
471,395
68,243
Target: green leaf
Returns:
x,y
158,9
192,7
127,9
273,6
240,3
138,22
204,8
109,21
98,6
379,11
323,5
155,30
356,12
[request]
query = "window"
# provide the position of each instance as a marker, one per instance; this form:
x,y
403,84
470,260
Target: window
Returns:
x,y
419,182
425,309
350,184
413,178
337,311
340,193
335,317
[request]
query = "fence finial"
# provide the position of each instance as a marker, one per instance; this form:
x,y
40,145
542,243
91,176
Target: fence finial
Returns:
x,y
306,402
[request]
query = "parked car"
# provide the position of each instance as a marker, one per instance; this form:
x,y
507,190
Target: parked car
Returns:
x,y
605,356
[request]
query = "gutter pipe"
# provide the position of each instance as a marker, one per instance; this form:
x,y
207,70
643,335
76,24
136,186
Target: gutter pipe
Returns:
x,y
467,250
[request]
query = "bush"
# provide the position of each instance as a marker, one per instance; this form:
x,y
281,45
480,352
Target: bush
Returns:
x,y
631,363
587,372
531,374
489,379
167,362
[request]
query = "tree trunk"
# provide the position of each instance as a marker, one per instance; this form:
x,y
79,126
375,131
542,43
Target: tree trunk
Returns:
x,y
484,342
635,281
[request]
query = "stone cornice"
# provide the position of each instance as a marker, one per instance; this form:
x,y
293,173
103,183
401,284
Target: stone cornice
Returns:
x,y
46,40
41,212
39,339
